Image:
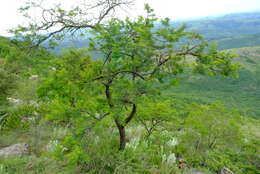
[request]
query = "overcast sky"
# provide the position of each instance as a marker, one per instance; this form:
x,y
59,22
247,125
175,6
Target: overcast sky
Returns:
x,y
174,9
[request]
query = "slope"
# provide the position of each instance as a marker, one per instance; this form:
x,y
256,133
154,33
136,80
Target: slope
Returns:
x,y
242,92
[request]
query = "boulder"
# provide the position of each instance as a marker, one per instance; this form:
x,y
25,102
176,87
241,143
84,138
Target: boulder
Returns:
x,y
15,150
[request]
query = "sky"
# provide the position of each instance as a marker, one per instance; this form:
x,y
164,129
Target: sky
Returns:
x,y
174,9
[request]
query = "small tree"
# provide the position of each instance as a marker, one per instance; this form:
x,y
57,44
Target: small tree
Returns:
x,y
210,126
134,56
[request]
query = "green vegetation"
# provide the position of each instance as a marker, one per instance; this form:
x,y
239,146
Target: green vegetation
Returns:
x,y
154,100
242,92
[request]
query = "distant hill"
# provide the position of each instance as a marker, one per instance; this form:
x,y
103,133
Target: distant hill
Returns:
x,y
231,25
243,92
230,31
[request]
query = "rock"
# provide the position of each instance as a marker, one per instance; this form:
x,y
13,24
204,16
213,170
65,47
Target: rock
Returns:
x,y
33,77
13,100
194,171
182,163
226,170
15,150
28,119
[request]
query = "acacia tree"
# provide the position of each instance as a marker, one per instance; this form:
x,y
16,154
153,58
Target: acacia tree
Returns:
x,y
137,54
134,56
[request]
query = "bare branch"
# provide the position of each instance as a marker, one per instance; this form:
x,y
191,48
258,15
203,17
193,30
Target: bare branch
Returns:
x,y
60,20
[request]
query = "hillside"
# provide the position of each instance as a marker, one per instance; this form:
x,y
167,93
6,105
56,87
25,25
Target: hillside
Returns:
x,y
239,41
242,92
172,125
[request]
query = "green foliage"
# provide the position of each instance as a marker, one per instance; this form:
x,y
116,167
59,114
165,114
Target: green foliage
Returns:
x,y
25,165
208,134
18,58
67,90
155,114
209,127
7,83
17,64
21,117
243,91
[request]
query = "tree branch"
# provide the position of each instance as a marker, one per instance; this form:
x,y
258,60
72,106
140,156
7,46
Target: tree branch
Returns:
x,y
184,53
119,72
108,94
132,114
128,71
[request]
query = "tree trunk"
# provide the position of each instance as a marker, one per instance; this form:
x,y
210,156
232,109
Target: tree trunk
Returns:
x,y
122,135
122,138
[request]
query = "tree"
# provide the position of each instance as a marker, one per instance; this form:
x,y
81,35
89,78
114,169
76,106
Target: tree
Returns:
x,y
134,58
211,126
